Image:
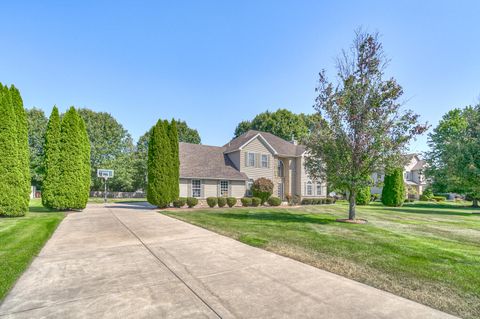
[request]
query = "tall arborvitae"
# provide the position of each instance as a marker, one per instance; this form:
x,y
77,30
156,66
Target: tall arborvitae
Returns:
x,y
12,201
51,183
175,177
86,170
393,192
73,193
157,187
167,158
22,144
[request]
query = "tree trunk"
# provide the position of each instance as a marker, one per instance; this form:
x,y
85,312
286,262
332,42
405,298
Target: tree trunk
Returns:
x,y
351,208
475,202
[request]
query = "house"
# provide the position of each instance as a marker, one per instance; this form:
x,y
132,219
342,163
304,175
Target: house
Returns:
x,y
413,176
230,170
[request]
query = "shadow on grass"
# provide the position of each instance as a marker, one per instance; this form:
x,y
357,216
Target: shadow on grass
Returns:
x,y
276,217
432,211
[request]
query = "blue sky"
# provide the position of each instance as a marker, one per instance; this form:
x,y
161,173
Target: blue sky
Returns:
x,y
215,63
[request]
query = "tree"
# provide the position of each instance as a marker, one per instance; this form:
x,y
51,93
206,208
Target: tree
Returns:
x,y
23,151
74,163
362,129
282,123
158,193
175,161
12,201
52,166
111,147
454,156
262,188
37,125
363,196
185,134
393,192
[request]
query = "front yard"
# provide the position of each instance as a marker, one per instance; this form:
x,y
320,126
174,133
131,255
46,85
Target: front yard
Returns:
x,y
426,252
21,238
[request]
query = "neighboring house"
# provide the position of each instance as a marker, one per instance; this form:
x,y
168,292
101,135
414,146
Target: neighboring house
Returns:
x,y
412,175
230,170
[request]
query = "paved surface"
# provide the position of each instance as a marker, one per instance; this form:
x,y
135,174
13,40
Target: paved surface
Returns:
x,y
127,261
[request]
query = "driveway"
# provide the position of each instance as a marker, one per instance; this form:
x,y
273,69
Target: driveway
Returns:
x,y
128,261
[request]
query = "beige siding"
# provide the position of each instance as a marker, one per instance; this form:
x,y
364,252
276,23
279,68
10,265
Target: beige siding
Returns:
x,y
184,187
210,188
256,146
304,178
237,189
235,158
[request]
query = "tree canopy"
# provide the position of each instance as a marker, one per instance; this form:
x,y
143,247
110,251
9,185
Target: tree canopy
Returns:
x,y
282,123
454,156
362,128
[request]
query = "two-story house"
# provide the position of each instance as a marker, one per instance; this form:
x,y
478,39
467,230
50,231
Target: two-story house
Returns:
x,y
230,170
413,175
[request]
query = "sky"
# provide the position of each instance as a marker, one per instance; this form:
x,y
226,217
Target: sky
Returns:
x,y
216,63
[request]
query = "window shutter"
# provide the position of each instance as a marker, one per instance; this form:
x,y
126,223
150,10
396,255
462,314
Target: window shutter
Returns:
x,y
202,189
218,188
257,159
268,161
246,159
229,188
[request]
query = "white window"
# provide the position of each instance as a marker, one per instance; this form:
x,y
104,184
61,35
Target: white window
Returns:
x,y
196,188
249,187
280,169
251,159
224,188
319,188
309,188
264,160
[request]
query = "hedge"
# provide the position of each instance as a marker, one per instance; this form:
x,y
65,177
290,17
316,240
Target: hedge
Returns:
x,y
274,201
256,201
192,202
246,201
222,201
231,201
212,201
180,202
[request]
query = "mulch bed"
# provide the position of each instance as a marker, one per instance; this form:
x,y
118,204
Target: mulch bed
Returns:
x,y
351,221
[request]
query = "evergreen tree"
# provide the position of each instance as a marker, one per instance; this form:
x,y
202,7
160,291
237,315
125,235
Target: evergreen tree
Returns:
x,y
363,196
74,159
158,193
175,178
12,202
51,183
393,192
85,161
23,149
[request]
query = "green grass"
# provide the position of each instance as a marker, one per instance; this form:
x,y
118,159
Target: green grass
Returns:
x,y
21,238
98,200
426,252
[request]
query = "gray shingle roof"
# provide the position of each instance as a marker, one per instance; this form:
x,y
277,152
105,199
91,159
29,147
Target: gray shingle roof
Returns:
x,y
281,146
206,162
419,165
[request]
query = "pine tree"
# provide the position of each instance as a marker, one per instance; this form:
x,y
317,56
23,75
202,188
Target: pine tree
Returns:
x,y
175,179
51,183
12,201
158,175
393,192
22,144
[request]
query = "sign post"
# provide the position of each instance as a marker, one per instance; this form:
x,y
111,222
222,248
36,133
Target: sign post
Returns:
x,y
105,174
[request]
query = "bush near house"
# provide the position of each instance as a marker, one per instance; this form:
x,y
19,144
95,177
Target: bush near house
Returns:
x,y
274,201
393,192
179,203
212,201
222,201
192,202
231,201
246,201
262,188
363,196
256,201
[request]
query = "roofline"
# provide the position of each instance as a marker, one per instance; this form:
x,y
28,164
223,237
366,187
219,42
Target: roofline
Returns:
x,y
215,178
254,137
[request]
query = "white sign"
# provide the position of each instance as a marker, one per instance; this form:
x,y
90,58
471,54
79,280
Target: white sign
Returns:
x,y
105,173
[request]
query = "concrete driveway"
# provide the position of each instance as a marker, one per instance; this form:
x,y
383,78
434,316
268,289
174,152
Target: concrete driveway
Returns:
x,y
128,261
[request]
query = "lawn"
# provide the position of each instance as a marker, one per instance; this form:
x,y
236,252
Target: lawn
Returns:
x,y
21,238
425,252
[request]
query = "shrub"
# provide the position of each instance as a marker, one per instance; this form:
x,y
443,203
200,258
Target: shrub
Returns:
x,y
375,197
192,202
428,192
296,199
212,201
178,203
363,196
307,201
329,200
289,198
222,201
393,192
439,198
246,201
231,201
409,200
262,188
274,201
424,198
256,201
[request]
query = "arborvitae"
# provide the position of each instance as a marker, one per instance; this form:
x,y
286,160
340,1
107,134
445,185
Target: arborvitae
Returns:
x,y
363,196
22,144
158,176
167,158
86,170
175,178
51,182
393,192
12,201
73,193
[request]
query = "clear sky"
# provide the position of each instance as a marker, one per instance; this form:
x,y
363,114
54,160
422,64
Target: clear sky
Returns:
x,y
215,63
